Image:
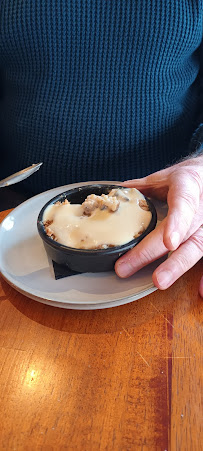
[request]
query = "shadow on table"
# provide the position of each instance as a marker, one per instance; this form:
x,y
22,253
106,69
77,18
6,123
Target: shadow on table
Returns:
x,y
94,321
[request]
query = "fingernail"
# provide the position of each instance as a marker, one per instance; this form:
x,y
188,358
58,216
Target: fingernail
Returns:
x,y
175,239
124,269
164,278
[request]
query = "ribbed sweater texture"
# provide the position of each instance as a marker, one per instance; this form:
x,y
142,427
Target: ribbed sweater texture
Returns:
x,y
98,89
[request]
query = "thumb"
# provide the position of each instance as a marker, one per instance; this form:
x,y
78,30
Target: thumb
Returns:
x,y
154,185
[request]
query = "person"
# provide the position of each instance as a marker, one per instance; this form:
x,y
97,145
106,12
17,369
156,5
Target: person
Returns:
x,y
110,90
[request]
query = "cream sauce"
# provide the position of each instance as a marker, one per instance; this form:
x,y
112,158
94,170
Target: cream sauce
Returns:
x,y
103,227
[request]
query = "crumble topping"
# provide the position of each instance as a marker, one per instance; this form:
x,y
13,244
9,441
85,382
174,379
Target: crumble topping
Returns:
x,y
102,202
100,222
143,204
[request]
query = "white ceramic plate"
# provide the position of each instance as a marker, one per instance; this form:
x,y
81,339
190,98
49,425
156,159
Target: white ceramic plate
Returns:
x,y
25,266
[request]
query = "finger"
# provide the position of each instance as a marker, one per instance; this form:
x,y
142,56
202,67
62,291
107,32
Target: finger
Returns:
x,y
151,178
201,287
180,261
183,202
148,250
157,191
155,184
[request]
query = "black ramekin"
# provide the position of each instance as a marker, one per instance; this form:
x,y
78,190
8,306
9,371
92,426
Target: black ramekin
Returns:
x,y
87,260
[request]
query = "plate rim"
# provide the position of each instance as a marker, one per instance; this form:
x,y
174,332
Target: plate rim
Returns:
x,y
84,306
65,304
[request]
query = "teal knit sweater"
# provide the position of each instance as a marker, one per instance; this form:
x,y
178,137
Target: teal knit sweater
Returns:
x,y
98,89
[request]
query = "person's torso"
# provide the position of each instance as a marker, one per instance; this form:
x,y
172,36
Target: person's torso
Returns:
x,y
98,89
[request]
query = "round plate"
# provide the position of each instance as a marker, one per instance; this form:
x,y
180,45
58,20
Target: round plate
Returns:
x,y
25,266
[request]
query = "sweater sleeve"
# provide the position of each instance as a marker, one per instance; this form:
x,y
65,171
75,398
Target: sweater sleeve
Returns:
x,y
196,143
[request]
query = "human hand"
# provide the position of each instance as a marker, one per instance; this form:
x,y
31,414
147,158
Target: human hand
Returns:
x,y
181,231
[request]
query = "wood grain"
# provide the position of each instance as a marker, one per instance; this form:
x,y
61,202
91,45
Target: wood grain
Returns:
x,y
126,378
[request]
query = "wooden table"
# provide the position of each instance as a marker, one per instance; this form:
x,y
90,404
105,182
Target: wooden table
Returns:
x,y
125,378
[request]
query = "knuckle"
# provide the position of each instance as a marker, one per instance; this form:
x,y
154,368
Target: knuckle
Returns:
x,y
182,262
197,178
145,255
197,239
189,181
192,204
